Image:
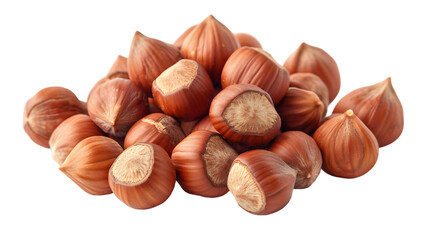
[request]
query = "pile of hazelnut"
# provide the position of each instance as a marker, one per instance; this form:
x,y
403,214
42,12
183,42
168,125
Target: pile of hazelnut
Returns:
x,y
216,113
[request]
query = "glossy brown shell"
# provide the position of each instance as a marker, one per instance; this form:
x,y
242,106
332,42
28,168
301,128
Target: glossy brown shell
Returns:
x,y
275,178
89,162
222,100
348,147
145,130
148,58
255,66
300,152
190,166
155,190
312,59
46,110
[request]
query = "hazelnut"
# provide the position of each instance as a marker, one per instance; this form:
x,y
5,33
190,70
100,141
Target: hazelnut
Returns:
x,y
142,176
245,114
311,82
46,110
156,128
261,182
179,41
187,126
69,133
148,58
117,70
348,147
184,90
116,105
210,43
379,108
89,162
300,110
311,59
202,162
300,152
257,67
204,123
153,108
247,40
119,67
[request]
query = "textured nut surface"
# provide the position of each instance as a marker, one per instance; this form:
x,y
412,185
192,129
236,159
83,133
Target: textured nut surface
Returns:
x,y
312,59
245,114
116,105
257,67
261,182
202,161
89,162
210,43
46,110
300,152
348,147
184,90
379,108
142,176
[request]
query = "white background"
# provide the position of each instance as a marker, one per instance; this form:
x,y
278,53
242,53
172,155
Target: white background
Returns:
x,y
73,45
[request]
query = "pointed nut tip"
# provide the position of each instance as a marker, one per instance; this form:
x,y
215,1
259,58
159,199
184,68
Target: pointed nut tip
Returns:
x,y
388,80
349,112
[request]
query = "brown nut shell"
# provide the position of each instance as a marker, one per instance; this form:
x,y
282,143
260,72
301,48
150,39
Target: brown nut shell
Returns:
x,y
116,105
156,128
312,59
311,82
300,110
148,58
187,126
89,162
142,176
153,108
119,66
204,123
257,67
210,43
348,147
69,133
117,70
379,108
179,41
46,110
245,114
184,90
202,161
300,152
247,40
261,182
